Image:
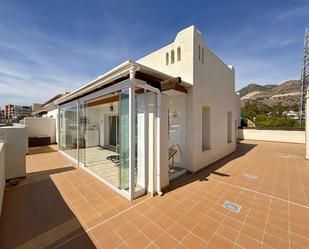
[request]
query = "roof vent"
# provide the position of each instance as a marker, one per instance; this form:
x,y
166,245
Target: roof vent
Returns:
x,y
252,177
231,206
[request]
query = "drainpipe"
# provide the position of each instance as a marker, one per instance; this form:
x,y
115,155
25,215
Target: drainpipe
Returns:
x,y
158,143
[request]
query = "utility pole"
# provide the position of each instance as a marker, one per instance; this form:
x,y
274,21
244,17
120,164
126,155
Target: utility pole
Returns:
x,y
304,77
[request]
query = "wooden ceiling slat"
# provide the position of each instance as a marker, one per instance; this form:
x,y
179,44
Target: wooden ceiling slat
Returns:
x,y
103,101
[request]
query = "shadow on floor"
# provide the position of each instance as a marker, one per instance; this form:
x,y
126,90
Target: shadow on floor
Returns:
x,y
35,215
202,175
42,149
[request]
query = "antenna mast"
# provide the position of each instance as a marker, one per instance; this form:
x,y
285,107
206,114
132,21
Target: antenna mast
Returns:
x,y
304,76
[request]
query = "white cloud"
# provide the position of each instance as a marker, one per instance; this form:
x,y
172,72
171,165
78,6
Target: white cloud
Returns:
x,y
34,65
293,13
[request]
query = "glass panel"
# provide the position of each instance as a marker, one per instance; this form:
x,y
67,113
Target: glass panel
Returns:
x,y
150,138
100,136
124,139
139,139
82,131
68,130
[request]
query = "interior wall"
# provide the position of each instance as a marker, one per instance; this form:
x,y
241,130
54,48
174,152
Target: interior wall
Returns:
x,y
97,119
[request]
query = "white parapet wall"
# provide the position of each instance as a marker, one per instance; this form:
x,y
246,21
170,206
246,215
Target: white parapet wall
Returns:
x,y
286,136
41,127
2,175
16,146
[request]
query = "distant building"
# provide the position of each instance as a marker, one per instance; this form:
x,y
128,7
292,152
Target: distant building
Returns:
x,y
1,115
36,107
48,109
14,112
292,114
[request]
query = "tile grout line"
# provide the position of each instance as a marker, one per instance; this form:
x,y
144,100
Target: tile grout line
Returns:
x,y
189,231
269,207
243,224
89,229
302,183
267,217
257,192
215,232
225,216
234,242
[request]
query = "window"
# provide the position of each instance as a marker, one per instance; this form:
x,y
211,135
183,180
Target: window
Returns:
x,y
178,54
229,127
199,52
205,128
172,56
202,55
166,59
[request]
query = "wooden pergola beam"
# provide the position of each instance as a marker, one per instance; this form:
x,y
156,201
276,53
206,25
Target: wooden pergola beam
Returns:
x,y
173,84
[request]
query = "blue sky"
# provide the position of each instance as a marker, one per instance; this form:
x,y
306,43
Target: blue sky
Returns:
x,y
47,47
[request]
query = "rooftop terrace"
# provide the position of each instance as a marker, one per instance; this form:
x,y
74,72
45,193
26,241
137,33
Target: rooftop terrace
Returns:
x,y
61,206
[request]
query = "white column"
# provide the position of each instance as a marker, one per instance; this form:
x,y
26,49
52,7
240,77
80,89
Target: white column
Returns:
x,y
132,136
307,124
140,139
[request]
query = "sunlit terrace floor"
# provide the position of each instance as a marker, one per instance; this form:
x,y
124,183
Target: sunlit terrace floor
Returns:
x,y
97,161
59,206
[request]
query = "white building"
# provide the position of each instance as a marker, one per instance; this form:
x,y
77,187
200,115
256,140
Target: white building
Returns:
x,y
143,123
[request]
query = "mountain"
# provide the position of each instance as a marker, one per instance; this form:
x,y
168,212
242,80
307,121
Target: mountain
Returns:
x,y
287,93
254,88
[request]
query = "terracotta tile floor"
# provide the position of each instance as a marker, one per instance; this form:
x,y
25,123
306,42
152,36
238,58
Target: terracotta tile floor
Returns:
x,y
68,208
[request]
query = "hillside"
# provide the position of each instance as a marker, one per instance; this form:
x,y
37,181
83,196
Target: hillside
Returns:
x,y
286,93
255,88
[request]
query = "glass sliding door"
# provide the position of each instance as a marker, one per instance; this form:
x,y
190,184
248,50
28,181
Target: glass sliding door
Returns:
x,y
68,130
112,135
81,133
124,148
100,137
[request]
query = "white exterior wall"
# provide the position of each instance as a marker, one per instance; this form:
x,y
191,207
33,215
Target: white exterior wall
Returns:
x,y
213,86
55,115
16,146
182,68
2,174
272,135
41,127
